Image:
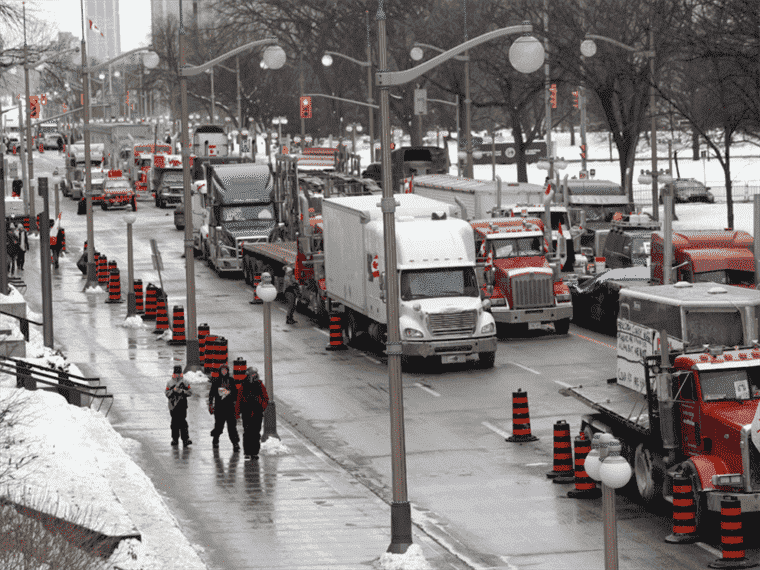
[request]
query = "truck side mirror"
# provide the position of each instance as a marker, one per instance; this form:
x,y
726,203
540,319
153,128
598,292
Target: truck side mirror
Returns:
x,y
490,279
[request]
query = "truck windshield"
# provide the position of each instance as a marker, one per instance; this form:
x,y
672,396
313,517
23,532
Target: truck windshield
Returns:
x,y
516,247
438,282
722,328
726,277
728,385
243,213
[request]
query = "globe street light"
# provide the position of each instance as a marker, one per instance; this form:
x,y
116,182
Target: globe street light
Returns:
x,y
526,58
268,293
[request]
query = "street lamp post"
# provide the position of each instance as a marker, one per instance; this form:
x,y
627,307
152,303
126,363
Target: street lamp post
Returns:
x,y
268,293
279,121
588,49
604,463
129,219
29,141
275,57
526,55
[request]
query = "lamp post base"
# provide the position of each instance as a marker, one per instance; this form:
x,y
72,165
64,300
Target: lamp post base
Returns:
x,y
131,304
92,277
193,356
270,422
401,527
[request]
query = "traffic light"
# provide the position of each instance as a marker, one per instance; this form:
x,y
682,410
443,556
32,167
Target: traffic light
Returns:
x,y
553,95
306,107
34,107
575,99
583,151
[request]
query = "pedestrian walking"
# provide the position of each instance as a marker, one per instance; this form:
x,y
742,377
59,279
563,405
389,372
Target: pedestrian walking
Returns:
x,y
291,294
178,391
221,403
82,262
23,245
11,250
254,401
56,245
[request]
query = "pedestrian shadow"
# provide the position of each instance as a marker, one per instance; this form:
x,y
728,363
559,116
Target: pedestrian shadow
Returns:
x,y
226,475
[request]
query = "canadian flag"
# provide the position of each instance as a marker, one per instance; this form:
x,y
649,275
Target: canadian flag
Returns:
x,y
375,267
95,28
548,192
560,230
54,230
482,250
410,189
489,261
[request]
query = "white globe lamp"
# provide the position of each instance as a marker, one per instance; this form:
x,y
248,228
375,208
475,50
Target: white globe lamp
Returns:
x,y
526,54
275,57
327,60
588,48
266,291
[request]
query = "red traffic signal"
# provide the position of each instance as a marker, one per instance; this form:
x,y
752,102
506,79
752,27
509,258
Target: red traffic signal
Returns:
x,y
306,107
553,95
34,107
575,99
583,151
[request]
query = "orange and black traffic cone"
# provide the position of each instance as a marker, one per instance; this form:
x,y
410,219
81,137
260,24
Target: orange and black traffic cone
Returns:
x,y
563,454
203,330
151,302
731,536
585,486
256,280
520,419
178,325
162,314
684,512
139,305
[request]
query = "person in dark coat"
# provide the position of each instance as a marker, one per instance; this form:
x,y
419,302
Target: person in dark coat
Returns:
x,y
56,248
23,245
291,294
178,391
254,401
221,403
11,250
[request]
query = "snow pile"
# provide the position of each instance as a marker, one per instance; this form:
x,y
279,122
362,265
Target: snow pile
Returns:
x,y
273,446
166,335
12,297
412,559
195,378
134,322
94,289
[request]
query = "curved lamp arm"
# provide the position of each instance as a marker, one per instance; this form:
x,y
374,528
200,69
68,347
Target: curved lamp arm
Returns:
x,y
647,53
117,58
388,78
341,99
188,71
439,50
356,61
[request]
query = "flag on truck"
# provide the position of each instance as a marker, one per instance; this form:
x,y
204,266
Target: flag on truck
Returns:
x,y
376,267
54,230
489,261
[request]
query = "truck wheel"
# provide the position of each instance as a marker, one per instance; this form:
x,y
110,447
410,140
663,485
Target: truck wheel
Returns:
x,y
648,476
247,271
486,360
698,497
350,329
562,326
104,205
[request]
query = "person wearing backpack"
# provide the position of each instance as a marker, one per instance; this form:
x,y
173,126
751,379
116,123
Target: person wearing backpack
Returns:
x,y
253,403
178,391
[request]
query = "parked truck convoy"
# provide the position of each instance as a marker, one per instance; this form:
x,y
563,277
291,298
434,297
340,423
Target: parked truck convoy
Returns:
x,y
717,256
684,405
525,291
118,137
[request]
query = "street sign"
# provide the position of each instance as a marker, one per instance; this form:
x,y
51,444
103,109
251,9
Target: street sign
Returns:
x,y
506,153
420,102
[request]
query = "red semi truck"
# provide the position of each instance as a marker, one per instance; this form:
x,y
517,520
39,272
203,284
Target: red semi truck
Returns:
x,y
716,256
687,409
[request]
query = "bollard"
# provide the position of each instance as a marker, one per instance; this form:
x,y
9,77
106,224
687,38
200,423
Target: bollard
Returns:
x,y
563,456
238,376
162,314
95,259
256,280
684,512
26,224
731,536
114,286
520,418
208,366
151,303
178,325
102,269
203,331
585,486
214,355
336,333
222,355
63,239
139,307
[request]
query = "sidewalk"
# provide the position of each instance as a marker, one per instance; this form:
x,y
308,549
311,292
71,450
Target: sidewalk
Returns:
x,y
297,510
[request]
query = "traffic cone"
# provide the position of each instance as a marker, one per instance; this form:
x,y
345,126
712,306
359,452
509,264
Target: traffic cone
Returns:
x,y
139,306
336,333
684,512
238,376
26,218
520,418
256,280
731,536
162,314
63,239
585,486
222,355
203,331
151,303
114,285
42,148
210,355
178,325
102,269
563,456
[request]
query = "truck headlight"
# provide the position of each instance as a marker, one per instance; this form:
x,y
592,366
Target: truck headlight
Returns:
x,y
413,333
564,298
498,301
490,328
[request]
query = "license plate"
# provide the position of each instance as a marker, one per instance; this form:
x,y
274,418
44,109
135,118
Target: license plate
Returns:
x,y
534,326
453,358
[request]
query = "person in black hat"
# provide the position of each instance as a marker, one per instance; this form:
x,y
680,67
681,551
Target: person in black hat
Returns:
x,y
177,391
254,401
221,403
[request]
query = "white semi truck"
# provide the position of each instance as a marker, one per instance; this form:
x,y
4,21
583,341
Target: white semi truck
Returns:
x,y
441,313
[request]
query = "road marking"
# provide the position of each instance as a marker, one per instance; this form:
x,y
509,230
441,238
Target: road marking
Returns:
x,y
524,367
319,330
496,430
593,340
535,464
428,390
714,551
563,384
375,360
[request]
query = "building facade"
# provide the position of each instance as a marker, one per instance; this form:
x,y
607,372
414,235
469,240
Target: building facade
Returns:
x,y
105,16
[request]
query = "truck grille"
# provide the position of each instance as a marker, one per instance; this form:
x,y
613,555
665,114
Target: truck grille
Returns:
x,y
452,323
532,290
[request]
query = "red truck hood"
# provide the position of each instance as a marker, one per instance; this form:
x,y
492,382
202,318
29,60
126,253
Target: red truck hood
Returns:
x,y
735,414
716,259
520,262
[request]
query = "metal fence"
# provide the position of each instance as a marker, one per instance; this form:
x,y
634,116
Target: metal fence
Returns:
x,y
741,192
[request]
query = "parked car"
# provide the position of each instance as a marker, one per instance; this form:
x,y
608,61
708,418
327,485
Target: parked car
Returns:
x,y
595,300
688,190
627,247
374,171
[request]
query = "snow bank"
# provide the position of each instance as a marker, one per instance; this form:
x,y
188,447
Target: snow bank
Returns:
x,y
412,559
134,322
273,446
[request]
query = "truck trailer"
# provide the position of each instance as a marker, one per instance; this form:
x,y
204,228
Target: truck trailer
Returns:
x,y
686,391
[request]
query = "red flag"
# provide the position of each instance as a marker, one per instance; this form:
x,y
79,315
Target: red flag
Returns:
x,y
560,230
489,261
95,28
375,267
482,251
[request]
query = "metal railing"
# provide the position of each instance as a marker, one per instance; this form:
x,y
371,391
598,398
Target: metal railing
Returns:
x,y
742,192
23,321
78,390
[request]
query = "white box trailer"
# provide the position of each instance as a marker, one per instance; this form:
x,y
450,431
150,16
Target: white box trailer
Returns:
x,y
476,199
440,311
